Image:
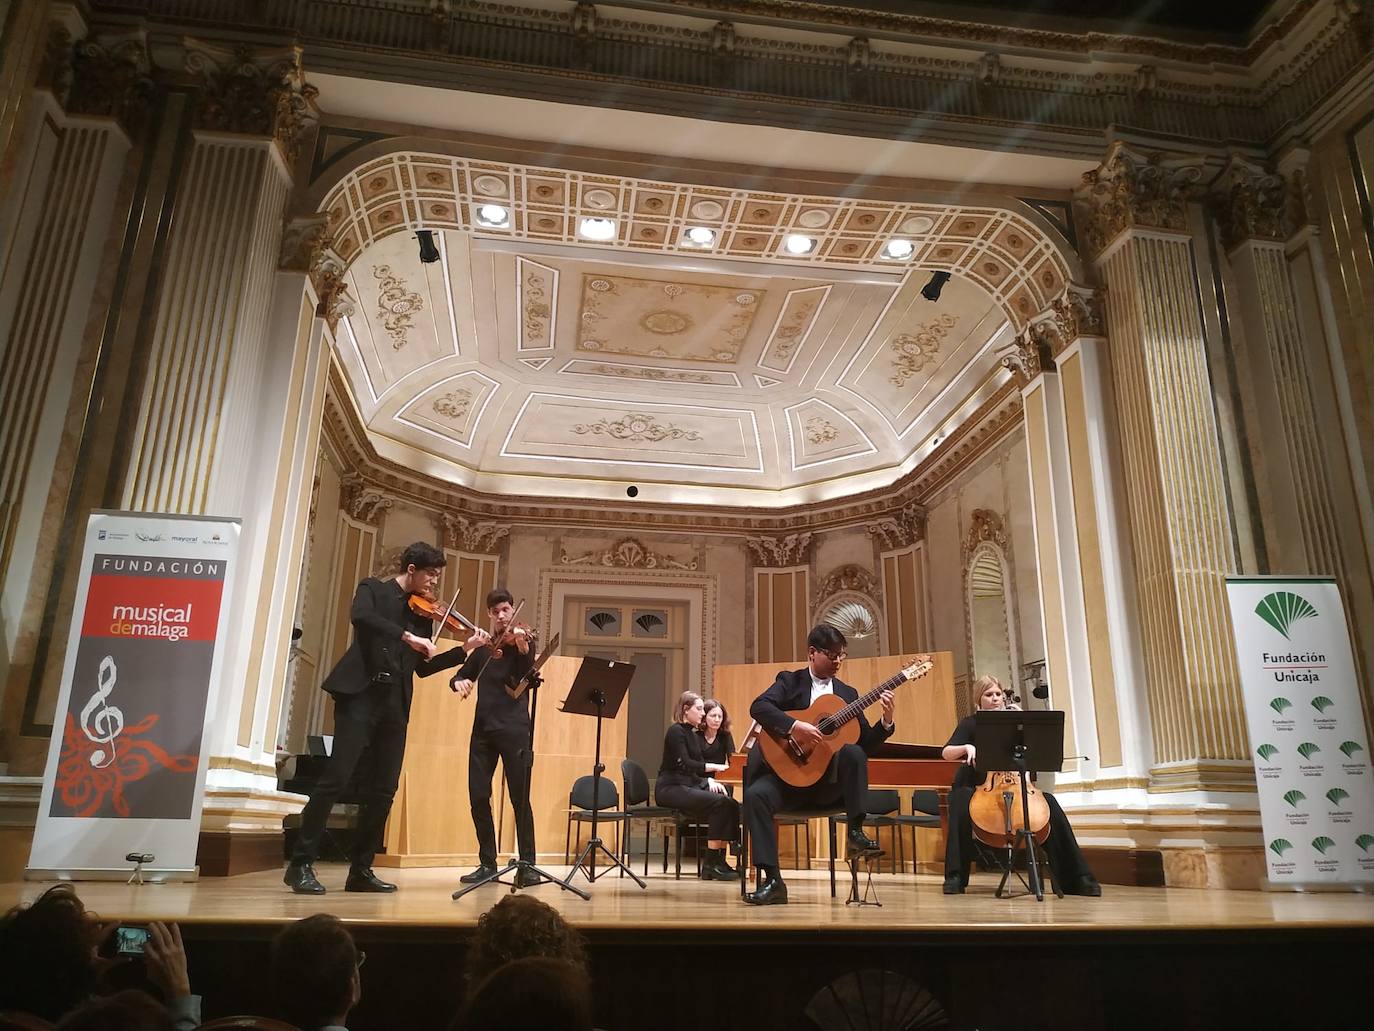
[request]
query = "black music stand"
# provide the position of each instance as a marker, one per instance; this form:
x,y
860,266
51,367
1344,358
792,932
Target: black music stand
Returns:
x,y
532,682
1028,742
597,690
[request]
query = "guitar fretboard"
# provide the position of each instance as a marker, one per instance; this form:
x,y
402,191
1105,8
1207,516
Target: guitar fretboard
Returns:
x,y
833,723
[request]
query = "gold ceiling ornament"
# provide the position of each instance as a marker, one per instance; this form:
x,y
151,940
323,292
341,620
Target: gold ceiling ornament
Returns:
x,y
474,536
647,372
786,550
627,553
1132,188
636,427
798,313
665,322
109,76
985,525
911,352
257,93
362,501
820,430
902,530
850,577
396,304
454,405
536,309
1250,203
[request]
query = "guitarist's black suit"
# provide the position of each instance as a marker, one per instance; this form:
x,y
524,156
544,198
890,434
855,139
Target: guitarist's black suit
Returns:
x,y
845,780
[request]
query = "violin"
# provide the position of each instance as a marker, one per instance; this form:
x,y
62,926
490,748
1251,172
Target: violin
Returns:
x,y
452,619
510,633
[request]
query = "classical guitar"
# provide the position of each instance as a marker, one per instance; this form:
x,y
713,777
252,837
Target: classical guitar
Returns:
x,y
837,721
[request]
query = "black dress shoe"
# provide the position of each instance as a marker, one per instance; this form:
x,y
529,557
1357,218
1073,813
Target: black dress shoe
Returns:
x,y
482,873
1086,885
954,885
361,878
857,843
771,892
300,878
527,878
718,870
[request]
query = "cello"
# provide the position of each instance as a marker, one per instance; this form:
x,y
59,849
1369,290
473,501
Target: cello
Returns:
x,y
995,812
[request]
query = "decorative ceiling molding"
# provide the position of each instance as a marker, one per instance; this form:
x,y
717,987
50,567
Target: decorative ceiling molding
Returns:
x,y
536,299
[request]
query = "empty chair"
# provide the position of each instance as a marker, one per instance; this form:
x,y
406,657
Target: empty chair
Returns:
x,y
581,804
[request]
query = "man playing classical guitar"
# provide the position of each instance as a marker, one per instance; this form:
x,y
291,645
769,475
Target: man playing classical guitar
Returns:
x,y
846,778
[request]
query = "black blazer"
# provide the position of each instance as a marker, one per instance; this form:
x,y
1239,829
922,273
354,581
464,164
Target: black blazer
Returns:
x,y
791,692
380,614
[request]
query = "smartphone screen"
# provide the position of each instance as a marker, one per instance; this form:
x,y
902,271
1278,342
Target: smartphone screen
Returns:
x,y
129,941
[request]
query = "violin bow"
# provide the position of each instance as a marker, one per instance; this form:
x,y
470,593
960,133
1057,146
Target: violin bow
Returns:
x,y
439,625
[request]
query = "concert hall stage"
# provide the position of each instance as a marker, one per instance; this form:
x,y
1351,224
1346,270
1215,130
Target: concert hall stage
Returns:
x,y
687,954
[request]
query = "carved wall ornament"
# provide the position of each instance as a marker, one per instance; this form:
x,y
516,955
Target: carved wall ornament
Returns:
x,y
911,352
476,536
628,553
362,501
1078,312
256,93
1249,204
852,578
984,525
636,427
396,304
304,241
902,530
787,550
820,430
1131,189
107,77
453,405
1033,354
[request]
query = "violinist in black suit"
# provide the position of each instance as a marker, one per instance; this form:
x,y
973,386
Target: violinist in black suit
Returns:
x,y
372,686
846,779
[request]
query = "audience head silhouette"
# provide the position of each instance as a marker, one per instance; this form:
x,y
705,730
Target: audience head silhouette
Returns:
x,y
538,993
47,953
129,1010
517,927
315,972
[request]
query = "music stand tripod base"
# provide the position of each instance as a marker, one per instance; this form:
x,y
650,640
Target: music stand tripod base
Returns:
x,y
516,866
870,860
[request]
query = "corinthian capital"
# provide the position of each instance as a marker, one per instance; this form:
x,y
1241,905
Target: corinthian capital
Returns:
x,y
1250,204
788,550
253,92
107,76
1034,352
481,537
902,530
1131,189
362,501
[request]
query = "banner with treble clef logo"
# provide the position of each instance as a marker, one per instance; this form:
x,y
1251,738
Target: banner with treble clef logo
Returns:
x,y
126,767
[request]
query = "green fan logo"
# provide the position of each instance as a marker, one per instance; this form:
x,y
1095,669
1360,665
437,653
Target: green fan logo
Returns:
x,y
1337,795
1294,797
1307,749
1321,703
1280,845
1321,844
1350,748
1365,841
1282,609
1279,704
1267,752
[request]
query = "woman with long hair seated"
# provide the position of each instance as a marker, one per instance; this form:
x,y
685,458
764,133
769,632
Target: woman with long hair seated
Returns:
x,y
1069,867
684,783
717,744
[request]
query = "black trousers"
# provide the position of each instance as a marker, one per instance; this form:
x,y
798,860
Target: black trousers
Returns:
x,y
845,780
1061,847
511,744
375,720
721,811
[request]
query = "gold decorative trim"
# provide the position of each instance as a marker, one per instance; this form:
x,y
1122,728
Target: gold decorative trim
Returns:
x,y
476,537
779,552
628,553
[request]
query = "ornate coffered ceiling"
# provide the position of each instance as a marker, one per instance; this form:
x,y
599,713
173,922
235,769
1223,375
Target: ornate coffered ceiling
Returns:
x,y
527,359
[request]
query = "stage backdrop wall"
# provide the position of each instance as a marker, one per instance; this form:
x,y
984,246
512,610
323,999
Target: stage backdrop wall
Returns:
x,y
126,766
1307,729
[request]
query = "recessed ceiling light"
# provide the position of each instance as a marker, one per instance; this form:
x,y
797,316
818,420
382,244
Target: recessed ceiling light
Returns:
x,y
493,216
795,243
699,236
597,228
898,250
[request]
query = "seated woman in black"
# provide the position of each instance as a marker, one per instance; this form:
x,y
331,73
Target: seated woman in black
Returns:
x,y
1066,858
683,783
717,745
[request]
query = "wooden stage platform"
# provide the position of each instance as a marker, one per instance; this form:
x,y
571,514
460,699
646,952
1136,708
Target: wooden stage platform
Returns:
x,y
1135,957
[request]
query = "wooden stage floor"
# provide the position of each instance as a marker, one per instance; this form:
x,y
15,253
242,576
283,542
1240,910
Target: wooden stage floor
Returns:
x,y
909,904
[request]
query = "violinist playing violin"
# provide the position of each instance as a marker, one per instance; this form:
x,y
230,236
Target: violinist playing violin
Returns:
x,y
1069,867
372,686
500,729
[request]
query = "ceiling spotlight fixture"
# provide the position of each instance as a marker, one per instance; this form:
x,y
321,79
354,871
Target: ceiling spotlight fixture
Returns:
x,y
493,216
429,251
597,228
796,243
898,250
931,291
699,236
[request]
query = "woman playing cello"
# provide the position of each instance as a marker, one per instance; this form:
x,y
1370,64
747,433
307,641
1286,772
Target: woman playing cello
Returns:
x,y
1066,858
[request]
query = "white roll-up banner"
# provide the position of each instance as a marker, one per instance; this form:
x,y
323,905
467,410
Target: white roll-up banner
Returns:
x,y
126,766
1307,730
